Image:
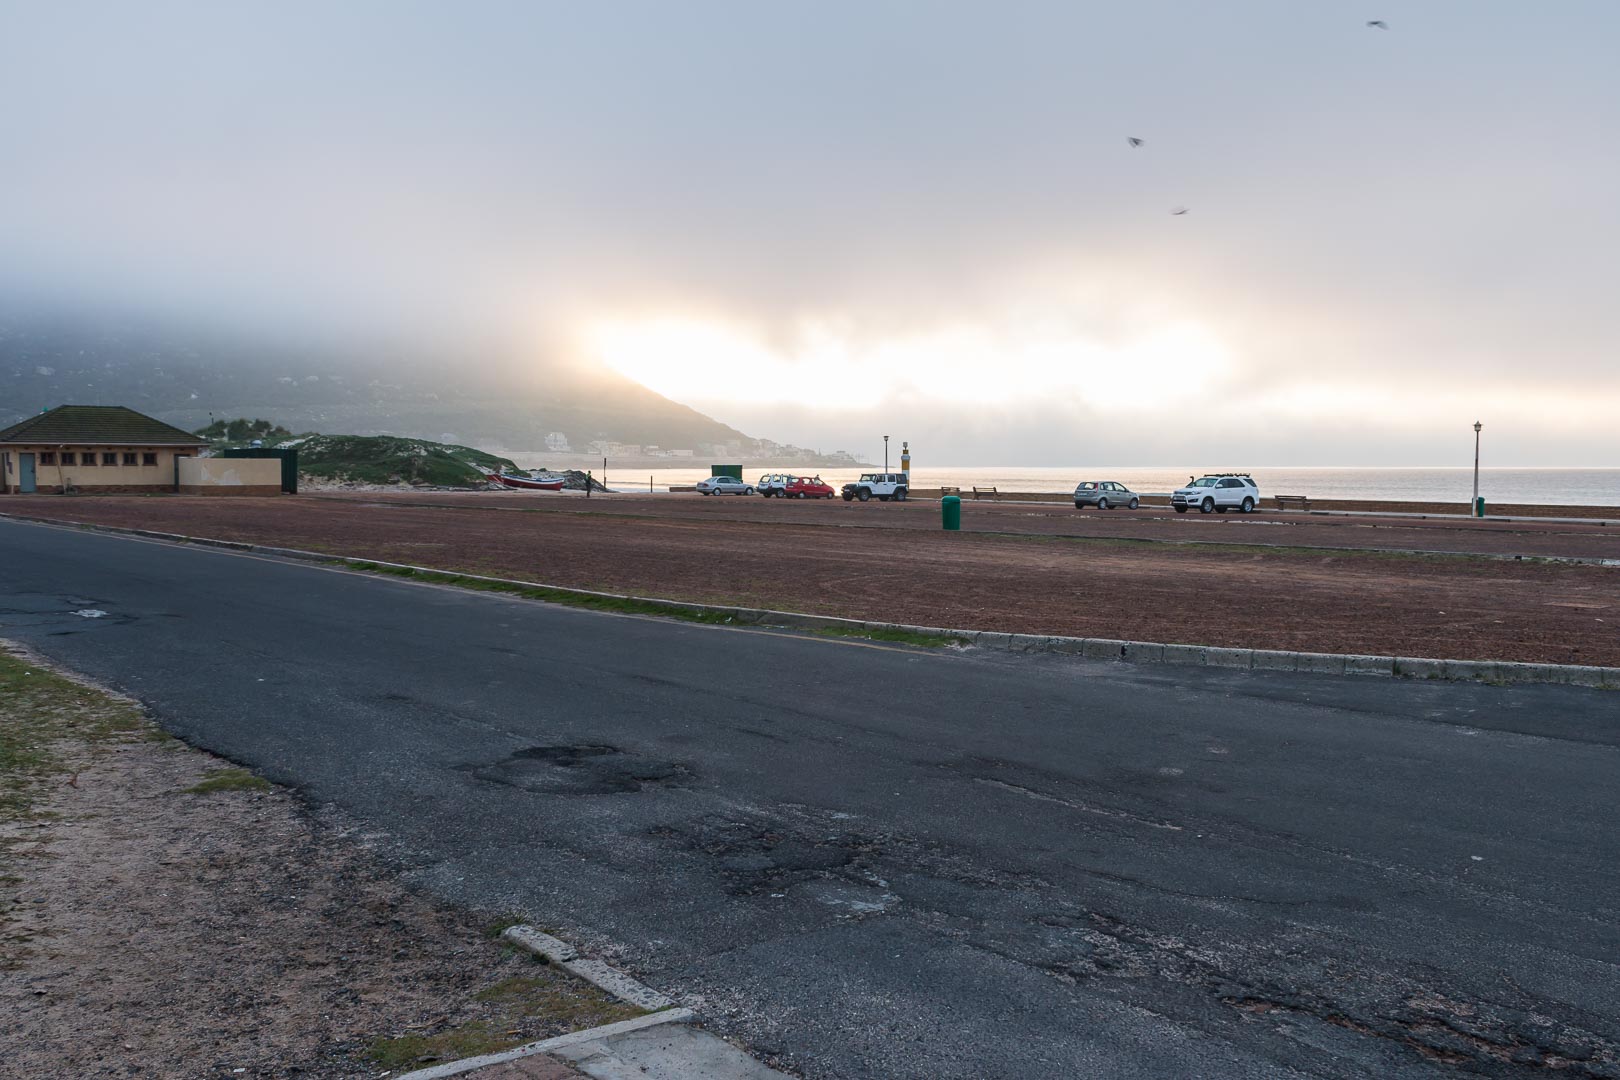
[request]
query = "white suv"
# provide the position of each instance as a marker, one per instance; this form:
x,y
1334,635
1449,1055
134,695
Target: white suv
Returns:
x,y
774,484
1218,492
885,486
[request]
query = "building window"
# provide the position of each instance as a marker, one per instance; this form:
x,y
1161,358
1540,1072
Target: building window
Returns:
x,y
69,457
47,457
129,458
148,458
109,458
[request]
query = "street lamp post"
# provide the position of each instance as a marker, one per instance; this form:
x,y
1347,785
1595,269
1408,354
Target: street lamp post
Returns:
x,y
1473,507
885,453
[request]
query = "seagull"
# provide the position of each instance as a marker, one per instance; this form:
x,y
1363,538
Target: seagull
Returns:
x,y
1178,211
1133,140
1378,24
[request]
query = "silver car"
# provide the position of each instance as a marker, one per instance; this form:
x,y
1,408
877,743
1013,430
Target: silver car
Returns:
x,y
724,485
1103,494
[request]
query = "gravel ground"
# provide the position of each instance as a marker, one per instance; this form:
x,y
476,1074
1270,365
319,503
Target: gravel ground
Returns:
x,y
1277,596
148,931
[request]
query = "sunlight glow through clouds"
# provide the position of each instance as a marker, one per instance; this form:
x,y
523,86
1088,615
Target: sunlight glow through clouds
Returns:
x,y
696,360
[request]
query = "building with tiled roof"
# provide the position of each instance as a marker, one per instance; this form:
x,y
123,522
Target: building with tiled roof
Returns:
x,y
93,448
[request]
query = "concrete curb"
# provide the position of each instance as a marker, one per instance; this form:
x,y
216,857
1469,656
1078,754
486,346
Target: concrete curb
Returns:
x,y
1136,652
546,1046
614,982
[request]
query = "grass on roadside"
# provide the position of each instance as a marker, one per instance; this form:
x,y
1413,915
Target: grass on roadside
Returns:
x,y
43,712
520,1003
626,605
227,779
618,604
899,637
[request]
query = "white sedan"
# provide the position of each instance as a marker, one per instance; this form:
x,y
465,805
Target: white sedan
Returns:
x,y
724,485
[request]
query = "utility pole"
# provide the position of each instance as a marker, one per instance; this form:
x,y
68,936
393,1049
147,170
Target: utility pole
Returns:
x,y
885,453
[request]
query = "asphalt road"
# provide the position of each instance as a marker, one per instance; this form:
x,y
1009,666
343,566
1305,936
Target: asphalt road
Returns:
x,y
882,862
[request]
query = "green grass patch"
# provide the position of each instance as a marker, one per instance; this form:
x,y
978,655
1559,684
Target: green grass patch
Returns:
x,y
618,604
227,779
521,1006
43,715
626,606
504,923
899,637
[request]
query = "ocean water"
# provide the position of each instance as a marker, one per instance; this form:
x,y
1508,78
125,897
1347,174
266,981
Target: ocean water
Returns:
x,y
1568,487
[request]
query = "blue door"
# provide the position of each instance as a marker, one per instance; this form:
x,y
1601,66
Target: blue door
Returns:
x,y
25,469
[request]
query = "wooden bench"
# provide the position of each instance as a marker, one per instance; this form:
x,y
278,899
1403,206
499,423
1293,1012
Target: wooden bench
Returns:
x,y
1303,502
983,491
944,491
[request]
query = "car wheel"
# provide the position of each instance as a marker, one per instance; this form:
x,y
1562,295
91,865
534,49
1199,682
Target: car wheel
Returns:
x,y
1134,503
1078,505
1248,506
1181,509
863,494
1102,504
900,494
707,493
847,497
1207,506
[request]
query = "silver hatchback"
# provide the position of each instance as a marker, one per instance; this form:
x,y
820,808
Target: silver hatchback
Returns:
x,y
1104,494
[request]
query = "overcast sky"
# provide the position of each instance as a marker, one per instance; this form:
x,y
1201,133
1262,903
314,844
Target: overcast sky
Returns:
x,y
822,221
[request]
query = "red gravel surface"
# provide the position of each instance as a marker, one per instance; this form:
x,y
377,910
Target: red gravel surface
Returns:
x,y
907,571
1370,532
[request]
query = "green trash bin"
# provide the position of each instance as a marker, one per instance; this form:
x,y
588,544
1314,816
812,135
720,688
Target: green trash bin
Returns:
x,y
950,513
1479,506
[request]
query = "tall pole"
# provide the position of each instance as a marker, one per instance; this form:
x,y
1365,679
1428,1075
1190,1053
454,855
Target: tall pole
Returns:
x,y
1473,507
885,453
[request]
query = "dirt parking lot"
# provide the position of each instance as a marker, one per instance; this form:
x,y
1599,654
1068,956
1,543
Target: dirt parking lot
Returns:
x,y
1289,529
1087,575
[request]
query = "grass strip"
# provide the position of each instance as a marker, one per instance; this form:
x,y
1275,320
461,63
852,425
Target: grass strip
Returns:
x,y
618,604
229,779
519,1004
628,606
43,713
899,637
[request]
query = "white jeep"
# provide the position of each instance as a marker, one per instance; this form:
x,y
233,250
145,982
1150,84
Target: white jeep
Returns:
x,y
1218,493
885,486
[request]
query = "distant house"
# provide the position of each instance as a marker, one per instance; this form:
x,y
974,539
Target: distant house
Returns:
x,y
557,442
100,448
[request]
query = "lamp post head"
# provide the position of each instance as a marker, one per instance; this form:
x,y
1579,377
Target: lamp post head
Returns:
x,y
1477,426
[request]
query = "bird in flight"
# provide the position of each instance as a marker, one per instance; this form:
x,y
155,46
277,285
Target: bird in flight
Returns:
x,y
1378,24
1133,140
1178,211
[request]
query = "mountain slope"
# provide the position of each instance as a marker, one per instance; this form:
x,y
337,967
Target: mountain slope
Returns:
x,y
184,378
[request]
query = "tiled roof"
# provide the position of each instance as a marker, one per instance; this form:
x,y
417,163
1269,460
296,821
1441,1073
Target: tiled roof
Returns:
x,y
96,425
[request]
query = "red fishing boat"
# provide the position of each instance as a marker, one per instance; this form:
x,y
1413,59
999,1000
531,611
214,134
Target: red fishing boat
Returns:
x,y
527,483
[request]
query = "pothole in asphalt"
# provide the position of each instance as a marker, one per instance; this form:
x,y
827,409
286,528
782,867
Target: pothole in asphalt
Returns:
x,y
858,899
580,769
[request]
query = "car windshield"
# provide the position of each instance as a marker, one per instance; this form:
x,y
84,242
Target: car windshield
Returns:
x,y
868,476
1204,481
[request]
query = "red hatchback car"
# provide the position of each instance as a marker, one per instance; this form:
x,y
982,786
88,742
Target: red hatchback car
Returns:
x,y
808,487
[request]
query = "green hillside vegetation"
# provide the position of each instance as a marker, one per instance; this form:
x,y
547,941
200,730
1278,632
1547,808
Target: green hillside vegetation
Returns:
x,y
383,459
242,430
